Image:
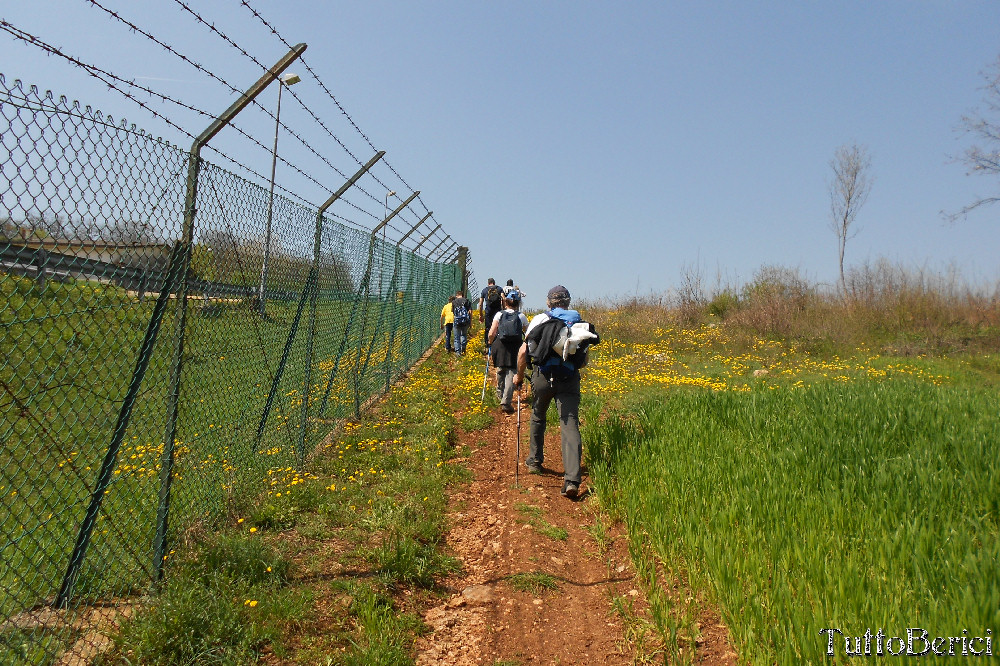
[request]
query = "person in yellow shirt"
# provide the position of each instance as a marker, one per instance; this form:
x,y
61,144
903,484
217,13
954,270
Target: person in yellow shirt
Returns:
x,y
447,322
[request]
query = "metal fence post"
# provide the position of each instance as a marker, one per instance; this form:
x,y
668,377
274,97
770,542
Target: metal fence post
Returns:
x,y
190,210
317,241
276,380
463,258
42,264
108,464
367,288
392,288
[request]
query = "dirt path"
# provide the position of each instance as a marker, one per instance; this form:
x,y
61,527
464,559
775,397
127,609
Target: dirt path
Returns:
x,y
509,536
543,581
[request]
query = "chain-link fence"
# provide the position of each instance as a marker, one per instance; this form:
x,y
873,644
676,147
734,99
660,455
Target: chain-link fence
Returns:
x,y
144,382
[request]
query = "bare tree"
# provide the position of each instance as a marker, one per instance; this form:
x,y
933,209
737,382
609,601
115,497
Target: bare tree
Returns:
x,y
849,189
984,125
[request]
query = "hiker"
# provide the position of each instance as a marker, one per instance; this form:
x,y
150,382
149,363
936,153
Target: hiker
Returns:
x,y
509,287
447,322
505,337
490,303
556,343
460,310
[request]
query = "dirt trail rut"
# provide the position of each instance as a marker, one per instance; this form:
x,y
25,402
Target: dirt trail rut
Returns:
x,y
533,534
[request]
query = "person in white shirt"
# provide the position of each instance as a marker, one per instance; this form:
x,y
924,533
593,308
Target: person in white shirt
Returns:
x,y
505,337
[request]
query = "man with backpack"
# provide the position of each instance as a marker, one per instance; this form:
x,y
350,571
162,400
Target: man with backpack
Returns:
x,y
490,303
556,345
447,322
505,337
461,313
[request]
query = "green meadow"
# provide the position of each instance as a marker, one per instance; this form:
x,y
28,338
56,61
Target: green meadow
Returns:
x,y
797,491
69,353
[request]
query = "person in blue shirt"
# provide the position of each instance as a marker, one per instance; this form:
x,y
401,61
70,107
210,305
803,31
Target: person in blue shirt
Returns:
x,y
460,306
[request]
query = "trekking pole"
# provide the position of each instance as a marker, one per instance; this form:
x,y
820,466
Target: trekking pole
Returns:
x,y
486,374
517,460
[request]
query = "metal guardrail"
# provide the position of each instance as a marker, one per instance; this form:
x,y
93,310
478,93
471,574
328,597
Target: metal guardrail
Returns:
x,y
42,265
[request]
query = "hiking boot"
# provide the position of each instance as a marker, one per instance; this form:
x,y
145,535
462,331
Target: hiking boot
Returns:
x,y
533,468
570,489
506,409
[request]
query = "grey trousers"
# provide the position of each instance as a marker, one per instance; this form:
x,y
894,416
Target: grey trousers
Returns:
x,y
505,385
566,393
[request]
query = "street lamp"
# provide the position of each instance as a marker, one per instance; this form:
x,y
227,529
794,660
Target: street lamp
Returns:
x,y
288,79
390,193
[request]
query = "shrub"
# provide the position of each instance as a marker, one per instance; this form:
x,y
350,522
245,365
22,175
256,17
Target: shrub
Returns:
x,y
723,304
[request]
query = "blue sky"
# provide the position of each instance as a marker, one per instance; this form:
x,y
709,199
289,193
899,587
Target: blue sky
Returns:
x,y
604,146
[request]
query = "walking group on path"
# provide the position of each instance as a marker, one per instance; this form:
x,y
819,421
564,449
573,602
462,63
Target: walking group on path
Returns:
x,y
553,346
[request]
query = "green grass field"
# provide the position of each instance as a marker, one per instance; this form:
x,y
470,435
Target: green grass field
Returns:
x,y
843,503
69,353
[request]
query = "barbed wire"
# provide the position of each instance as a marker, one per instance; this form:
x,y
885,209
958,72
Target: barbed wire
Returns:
x,y
114,82
222,35
245,53
170,49
219,33
231,42
118,84
330,94
93,70
110,80
39,104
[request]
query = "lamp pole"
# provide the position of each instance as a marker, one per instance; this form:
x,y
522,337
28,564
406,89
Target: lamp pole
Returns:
x,y
288,79
390,193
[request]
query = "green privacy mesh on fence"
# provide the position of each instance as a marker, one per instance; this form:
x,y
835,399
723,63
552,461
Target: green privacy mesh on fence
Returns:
x,y
104,361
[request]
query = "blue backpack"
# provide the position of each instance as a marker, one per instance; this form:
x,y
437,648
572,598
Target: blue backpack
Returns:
x,y
462,316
